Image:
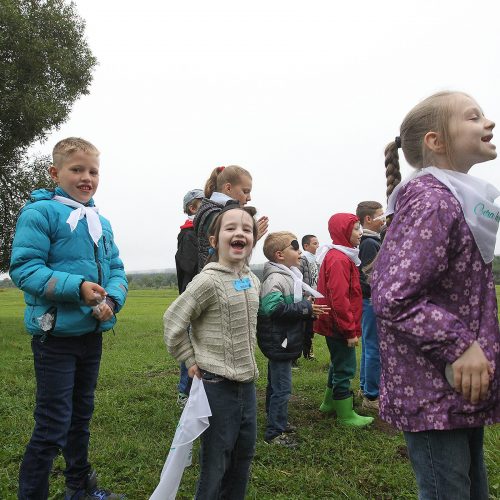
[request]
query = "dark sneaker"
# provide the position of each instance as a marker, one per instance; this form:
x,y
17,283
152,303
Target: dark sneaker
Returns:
x,y
92,491
290,429
283,440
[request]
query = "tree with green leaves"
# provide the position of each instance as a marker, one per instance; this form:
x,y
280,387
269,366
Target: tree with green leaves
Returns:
x,y
45,66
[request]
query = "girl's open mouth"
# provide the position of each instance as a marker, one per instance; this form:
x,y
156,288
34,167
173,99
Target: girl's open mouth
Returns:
x,y
487,138
238,244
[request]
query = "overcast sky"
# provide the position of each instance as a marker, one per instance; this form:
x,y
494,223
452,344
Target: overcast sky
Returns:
x,y
304,95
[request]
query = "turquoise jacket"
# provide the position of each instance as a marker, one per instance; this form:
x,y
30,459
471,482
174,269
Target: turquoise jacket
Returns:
x,y
49,263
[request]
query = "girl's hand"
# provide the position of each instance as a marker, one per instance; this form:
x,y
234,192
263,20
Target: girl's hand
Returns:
x,y
352,342
471,374
318,310
194,370
262,225
102,312
92,293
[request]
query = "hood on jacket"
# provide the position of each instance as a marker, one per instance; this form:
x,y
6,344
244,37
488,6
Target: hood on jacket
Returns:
x,y
48,194
270,269
340,228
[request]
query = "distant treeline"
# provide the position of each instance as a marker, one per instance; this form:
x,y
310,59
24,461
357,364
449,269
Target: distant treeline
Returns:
x,y
168,279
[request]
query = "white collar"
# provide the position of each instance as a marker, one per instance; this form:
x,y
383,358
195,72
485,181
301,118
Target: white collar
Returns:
x,y
220,198
91,213
309,256
476,197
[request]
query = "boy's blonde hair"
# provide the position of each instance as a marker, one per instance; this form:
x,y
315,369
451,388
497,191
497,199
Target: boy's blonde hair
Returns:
x,y
276,242
69,146
432,114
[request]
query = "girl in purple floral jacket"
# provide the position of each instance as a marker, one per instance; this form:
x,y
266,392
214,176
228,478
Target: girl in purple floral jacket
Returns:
x,y
434,297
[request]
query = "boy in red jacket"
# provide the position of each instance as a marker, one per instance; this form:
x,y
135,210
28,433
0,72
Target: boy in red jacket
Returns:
x,y
339,284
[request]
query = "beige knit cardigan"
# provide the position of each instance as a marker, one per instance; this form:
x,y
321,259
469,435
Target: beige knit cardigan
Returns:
x,y
223,324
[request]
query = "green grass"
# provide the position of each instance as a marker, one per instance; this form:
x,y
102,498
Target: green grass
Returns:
x,y
136,415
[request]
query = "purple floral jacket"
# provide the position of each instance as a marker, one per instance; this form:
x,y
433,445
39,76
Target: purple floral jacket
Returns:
x,y
433,296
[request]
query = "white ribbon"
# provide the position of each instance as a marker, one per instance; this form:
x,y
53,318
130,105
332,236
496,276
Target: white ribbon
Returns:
x,y
81,211
298,284
476,197
193,422
352,253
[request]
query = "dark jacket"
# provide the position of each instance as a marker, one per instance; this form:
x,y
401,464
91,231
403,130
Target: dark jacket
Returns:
x,y
204,217
279,317
368,250
186,257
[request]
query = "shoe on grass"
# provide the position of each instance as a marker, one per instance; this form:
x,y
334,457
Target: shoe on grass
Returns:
x,y
91,491
182,399
370,404
283,440
290,429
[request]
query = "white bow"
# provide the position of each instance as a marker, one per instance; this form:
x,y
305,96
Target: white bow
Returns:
x,y
298,284
81,211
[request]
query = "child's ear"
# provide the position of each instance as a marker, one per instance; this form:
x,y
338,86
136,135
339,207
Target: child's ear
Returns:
x,y
211,240
226,188
433,142
278,256
53,172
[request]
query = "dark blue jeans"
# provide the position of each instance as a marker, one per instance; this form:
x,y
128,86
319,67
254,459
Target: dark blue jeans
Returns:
x,y
185,381
369,376
228,445
449,465
66,370
278,392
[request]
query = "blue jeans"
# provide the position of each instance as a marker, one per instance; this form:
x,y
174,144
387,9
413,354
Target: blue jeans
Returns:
x,y
369,376
185,381
278,392
228,445
449,465
66,370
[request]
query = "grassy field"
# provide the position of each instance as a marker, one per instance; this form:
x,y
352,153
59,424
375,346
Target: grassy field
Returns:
x,y
136,415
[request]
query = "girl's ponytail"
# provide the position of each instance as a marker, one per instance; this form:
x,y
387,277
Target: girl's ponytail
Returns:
x,y
211,184
392,170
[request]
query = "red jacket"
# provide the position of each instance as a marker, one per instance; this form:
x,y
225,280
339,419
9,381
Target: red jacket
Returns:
x,y
339,283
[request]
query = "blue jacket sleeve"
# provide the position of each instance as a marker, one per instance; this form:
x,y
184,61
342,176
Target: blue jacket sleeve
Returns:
x,y
28,267
117,285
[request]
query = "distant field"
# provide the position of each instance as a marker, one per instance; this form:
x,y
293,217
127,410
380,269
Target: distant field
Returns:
x,y
136,415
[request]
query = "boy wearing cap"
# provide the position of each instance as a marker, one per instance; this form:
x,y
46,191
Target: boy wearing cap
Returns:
x,y
186,265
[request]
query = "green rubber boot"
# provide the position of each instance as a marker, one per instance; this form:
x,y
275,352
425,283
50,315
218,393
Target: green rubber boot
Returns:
x,y
327,405
347,416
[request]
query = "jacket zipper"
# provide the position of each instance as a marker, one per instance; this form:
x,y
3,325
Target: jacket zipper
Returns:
x,y
99,276
249,329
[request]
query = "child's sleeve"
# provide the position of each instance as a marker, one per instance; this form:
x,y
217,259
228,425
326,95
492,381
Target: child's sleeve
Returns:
x,y
338,291
117,285
28,265
399,291
273,304
198,295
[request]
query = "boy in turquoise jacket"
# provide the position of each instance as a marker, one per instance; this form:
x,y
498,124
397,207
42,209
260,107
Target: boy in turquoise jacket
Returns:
x,y
65,261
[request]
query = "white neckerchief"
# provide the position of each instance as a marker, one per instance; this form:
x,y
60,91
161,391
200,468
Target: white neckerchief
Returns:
x,y
309,256
220,198
352,253
191,217
476,197
81,211
298,284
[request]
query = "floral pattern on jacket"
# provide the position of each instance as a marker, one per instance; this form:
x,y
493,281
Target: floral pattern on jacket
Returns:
x,y
433,296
